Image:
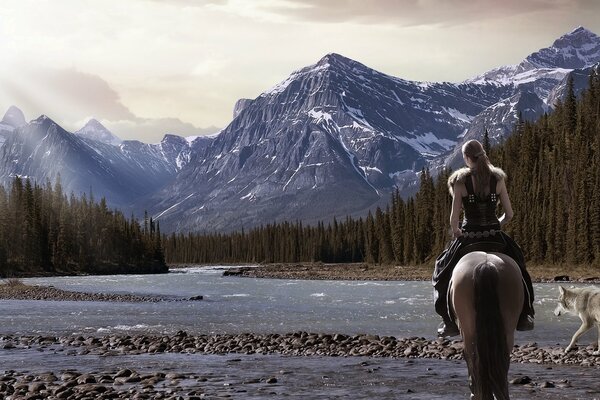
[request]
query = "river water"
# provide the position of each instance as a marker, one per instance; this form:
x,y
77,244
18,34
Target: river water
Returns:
x,y
235,305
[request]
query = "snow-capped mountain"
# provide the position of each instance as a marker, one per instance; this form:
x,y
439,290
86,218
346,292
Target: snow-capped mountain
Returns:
x,y
96,131
336,137
43,150
534,82
121,172
333,139
578,49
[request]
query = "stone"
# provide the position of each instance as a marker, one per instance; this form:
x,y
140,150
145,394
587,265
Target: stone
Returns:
x,y
36,387
522,380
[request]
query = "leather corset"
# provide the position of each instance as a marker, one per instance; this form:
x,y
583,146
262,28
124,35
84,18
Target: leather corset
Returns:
x,y
480,212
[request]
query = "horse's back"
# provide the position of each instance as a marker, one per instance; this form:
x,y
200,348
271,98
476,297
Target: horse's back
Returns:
x,y
509,287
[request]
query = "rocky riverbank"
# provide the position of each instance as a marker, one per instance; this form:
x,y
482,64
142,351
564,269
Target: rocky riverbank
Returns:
x,y
364,271
291,344
19,291
270,365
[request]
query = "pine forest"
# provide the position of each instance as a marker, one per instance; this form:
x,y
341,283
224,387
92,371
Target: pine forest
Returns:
x,y
42,231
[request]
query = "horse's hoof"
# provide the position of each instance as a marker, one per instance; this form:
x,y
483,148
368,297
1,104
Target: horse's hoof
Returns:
x,y
449,329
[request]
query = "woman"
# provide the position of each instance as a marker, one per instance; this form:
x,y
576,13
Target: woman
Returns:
x,y
477,189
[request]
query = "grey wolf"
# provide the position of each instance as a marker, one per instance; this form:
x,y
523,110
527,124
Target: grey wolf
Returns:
x,y
584,303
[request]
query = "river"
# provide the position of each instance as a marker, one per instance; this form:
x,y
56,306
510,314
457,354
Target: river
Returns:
x,y
235,305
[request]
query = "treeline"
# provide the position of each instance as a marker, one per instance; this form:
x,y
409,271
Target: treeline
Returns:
x,y
554,184
43,231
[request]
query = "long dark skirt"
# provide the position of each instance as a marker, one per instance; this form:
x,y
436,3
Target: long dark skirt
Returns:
x,y
445,263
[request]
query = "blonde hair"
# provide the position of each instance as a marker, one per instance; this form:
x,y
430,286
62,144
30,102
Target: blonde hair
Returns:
x,y
482,168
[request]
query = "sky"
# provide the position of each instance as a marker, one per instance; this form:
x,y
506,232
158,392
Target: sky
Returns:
x,y
149,67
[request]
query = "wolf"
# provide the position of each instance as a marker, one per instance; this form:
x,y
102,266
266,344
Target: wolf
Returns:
x,y
583,302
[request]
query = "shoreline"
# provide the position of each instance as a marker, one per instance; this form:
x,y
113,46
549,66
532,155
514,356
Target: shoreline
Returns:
x,y
364,271
17,290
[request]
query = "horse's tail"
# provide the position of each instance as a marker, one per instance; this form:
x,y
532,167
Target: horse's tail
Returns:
x,y
492,357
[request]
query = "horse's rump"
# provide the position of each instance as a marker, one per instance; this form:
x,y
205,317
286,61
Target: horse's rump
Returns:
x,y
487,320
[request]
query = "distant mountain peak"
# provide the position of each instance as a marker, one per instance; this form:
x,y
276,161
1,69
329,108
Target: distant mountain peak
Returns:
x,y
579,32
94,130
43,119
334,58
579,48
329,65
338,62
14,117
170,137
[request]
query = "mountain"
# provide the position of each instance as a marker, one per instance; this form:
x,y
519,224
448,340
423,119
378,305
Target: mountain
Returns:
x,y
122,173
43,150
13,118
96,131
534,82
335,138
575,50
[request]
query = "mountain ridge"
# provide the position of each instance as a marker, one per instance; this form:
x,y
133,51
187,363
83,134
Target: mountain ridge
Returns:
x,y
334,138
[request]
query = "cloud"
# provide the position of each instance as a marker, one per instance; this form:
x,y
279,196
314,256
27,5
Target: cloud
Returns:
x,y
71,98
66,94
416,12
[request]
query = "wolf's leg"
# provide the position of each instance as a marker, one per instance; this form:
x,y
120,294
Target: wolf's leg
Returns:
x,y
585,326
597,352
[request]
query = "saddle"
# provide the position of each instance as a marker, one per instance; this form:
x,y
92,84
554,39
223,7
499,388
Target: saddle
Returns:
x,y
486,246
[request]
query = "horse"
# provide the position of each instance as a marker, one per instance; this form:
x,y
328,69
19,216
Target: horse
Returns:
x,y
486,297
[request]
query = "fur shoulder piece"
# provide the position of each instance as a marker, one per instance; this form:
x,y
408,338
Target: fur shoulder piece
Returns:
x,y
457,176
460,175
498,173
